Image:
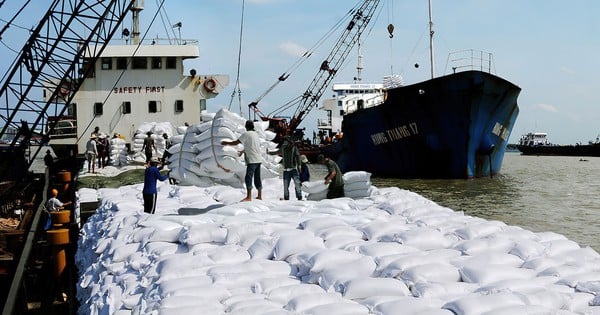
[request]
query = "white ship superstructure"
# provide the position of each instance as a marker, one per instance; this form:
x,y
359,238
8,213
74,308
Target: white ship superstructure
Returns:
x,y
347,98
137,82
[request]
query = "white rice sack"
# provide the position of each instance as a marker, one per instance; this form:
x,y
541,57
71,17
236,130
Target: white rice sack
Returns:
x,y
312,187
475,304
262,247
360,288
266,285
376,229
336,276
410,305
339,308
558,247
283,294
169,286
317,196
480,229
359,193
442,290
483,245
433,272
380,249
327,258
522,309
348,187
203,233
528,249
356,176
423,238
489,273
294,243
304,302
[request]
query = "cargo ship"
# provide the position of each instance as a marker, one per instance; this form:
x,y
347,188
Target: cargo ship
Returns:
x,y
451,126
454,126
536,143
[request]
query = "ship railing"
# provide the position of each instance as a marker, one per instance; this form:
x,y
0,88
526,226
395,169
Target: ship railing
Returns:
x,y
321,123
156,41
470,59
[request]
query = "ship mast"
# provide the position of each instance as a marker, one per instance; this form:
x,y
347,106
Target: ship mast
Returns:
x,y
135,9
359,65
431,32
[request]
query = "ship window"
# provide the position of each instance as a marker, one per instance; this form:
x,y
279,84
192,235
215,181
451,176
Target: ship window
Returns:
x,y
72,109
126,107
106,63
139,63
98,108
171,63
121,63
202,104
156,63
154,106
87,69
179,106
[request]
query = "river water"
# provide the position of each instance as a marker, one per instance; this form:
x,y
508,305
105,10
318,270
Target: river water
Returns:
x,y
538,193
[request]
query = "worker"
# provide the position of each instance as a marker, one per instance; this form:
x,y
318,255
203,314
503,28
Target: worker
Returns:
x,y
91,151
291,167
334,177
253,158
149,192
304,171
149,146
52,205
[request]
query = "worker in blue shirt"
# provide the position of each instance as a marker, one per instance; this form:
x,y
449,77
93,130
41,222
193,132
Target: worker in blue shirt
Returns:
x,y
151,175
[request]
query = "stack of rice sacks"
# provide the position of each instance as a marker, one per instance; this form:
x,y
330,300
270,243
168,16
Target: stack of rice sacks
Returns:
x,y
118,152
157,129
199,159
357,184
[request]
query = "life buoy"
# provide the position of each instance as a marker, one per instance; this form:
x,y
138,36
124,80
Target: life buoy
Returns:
x,y
210,84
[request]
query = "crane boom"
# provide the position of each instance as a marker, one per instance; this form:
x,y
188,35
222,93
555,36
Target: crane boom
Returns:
x,y
328,69
56,58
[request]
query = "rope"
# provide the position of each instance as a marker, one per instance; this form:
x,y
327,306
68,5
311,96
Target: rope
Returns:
x,y
237,80
308,53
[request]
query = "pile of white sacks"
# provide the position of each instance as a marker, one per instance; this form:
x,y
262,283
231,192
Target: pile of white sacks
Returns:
x,y
199,159
392,252
157,129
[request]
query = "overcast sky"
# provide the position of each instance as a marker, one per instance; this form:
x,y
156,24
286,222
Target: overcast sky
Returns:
x,y
549,48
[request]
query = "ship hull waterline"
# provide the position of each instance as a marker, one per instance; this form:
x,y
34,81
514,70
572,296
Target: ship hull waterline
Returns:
x,y
455,126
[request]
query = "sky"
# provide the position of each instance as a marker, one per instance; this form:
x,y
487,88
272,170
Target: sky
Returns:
x,y
548,48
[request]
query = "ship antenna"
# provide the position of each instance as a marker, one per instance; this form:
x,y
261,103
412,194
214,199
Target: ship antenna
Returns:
x,y
137,7
431,32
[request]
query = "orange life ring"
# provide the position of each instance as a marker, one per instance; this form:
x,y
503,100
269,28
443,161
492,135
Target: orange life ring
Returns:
x,y
210,84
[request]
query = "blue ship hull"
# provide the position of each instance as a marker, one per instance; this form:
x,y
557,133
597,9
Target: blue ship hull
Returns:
x,y
455,126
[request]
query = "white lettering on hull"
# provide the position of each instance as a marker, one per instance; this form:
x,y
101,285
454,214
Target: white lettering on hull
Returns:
x,y
500,131
395,134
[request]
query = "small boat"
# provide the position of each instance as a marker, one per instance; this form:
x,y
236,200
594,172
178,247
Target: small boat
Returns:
x,y
536,143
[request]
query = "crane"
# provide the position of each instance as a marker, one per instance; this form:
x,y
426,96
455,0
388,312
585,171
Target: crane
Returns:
x,y
361,17
56,58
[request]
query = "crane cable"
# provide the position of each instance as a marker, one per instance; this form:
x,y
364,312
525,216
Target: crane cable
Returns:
x,y
237,79
307,54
